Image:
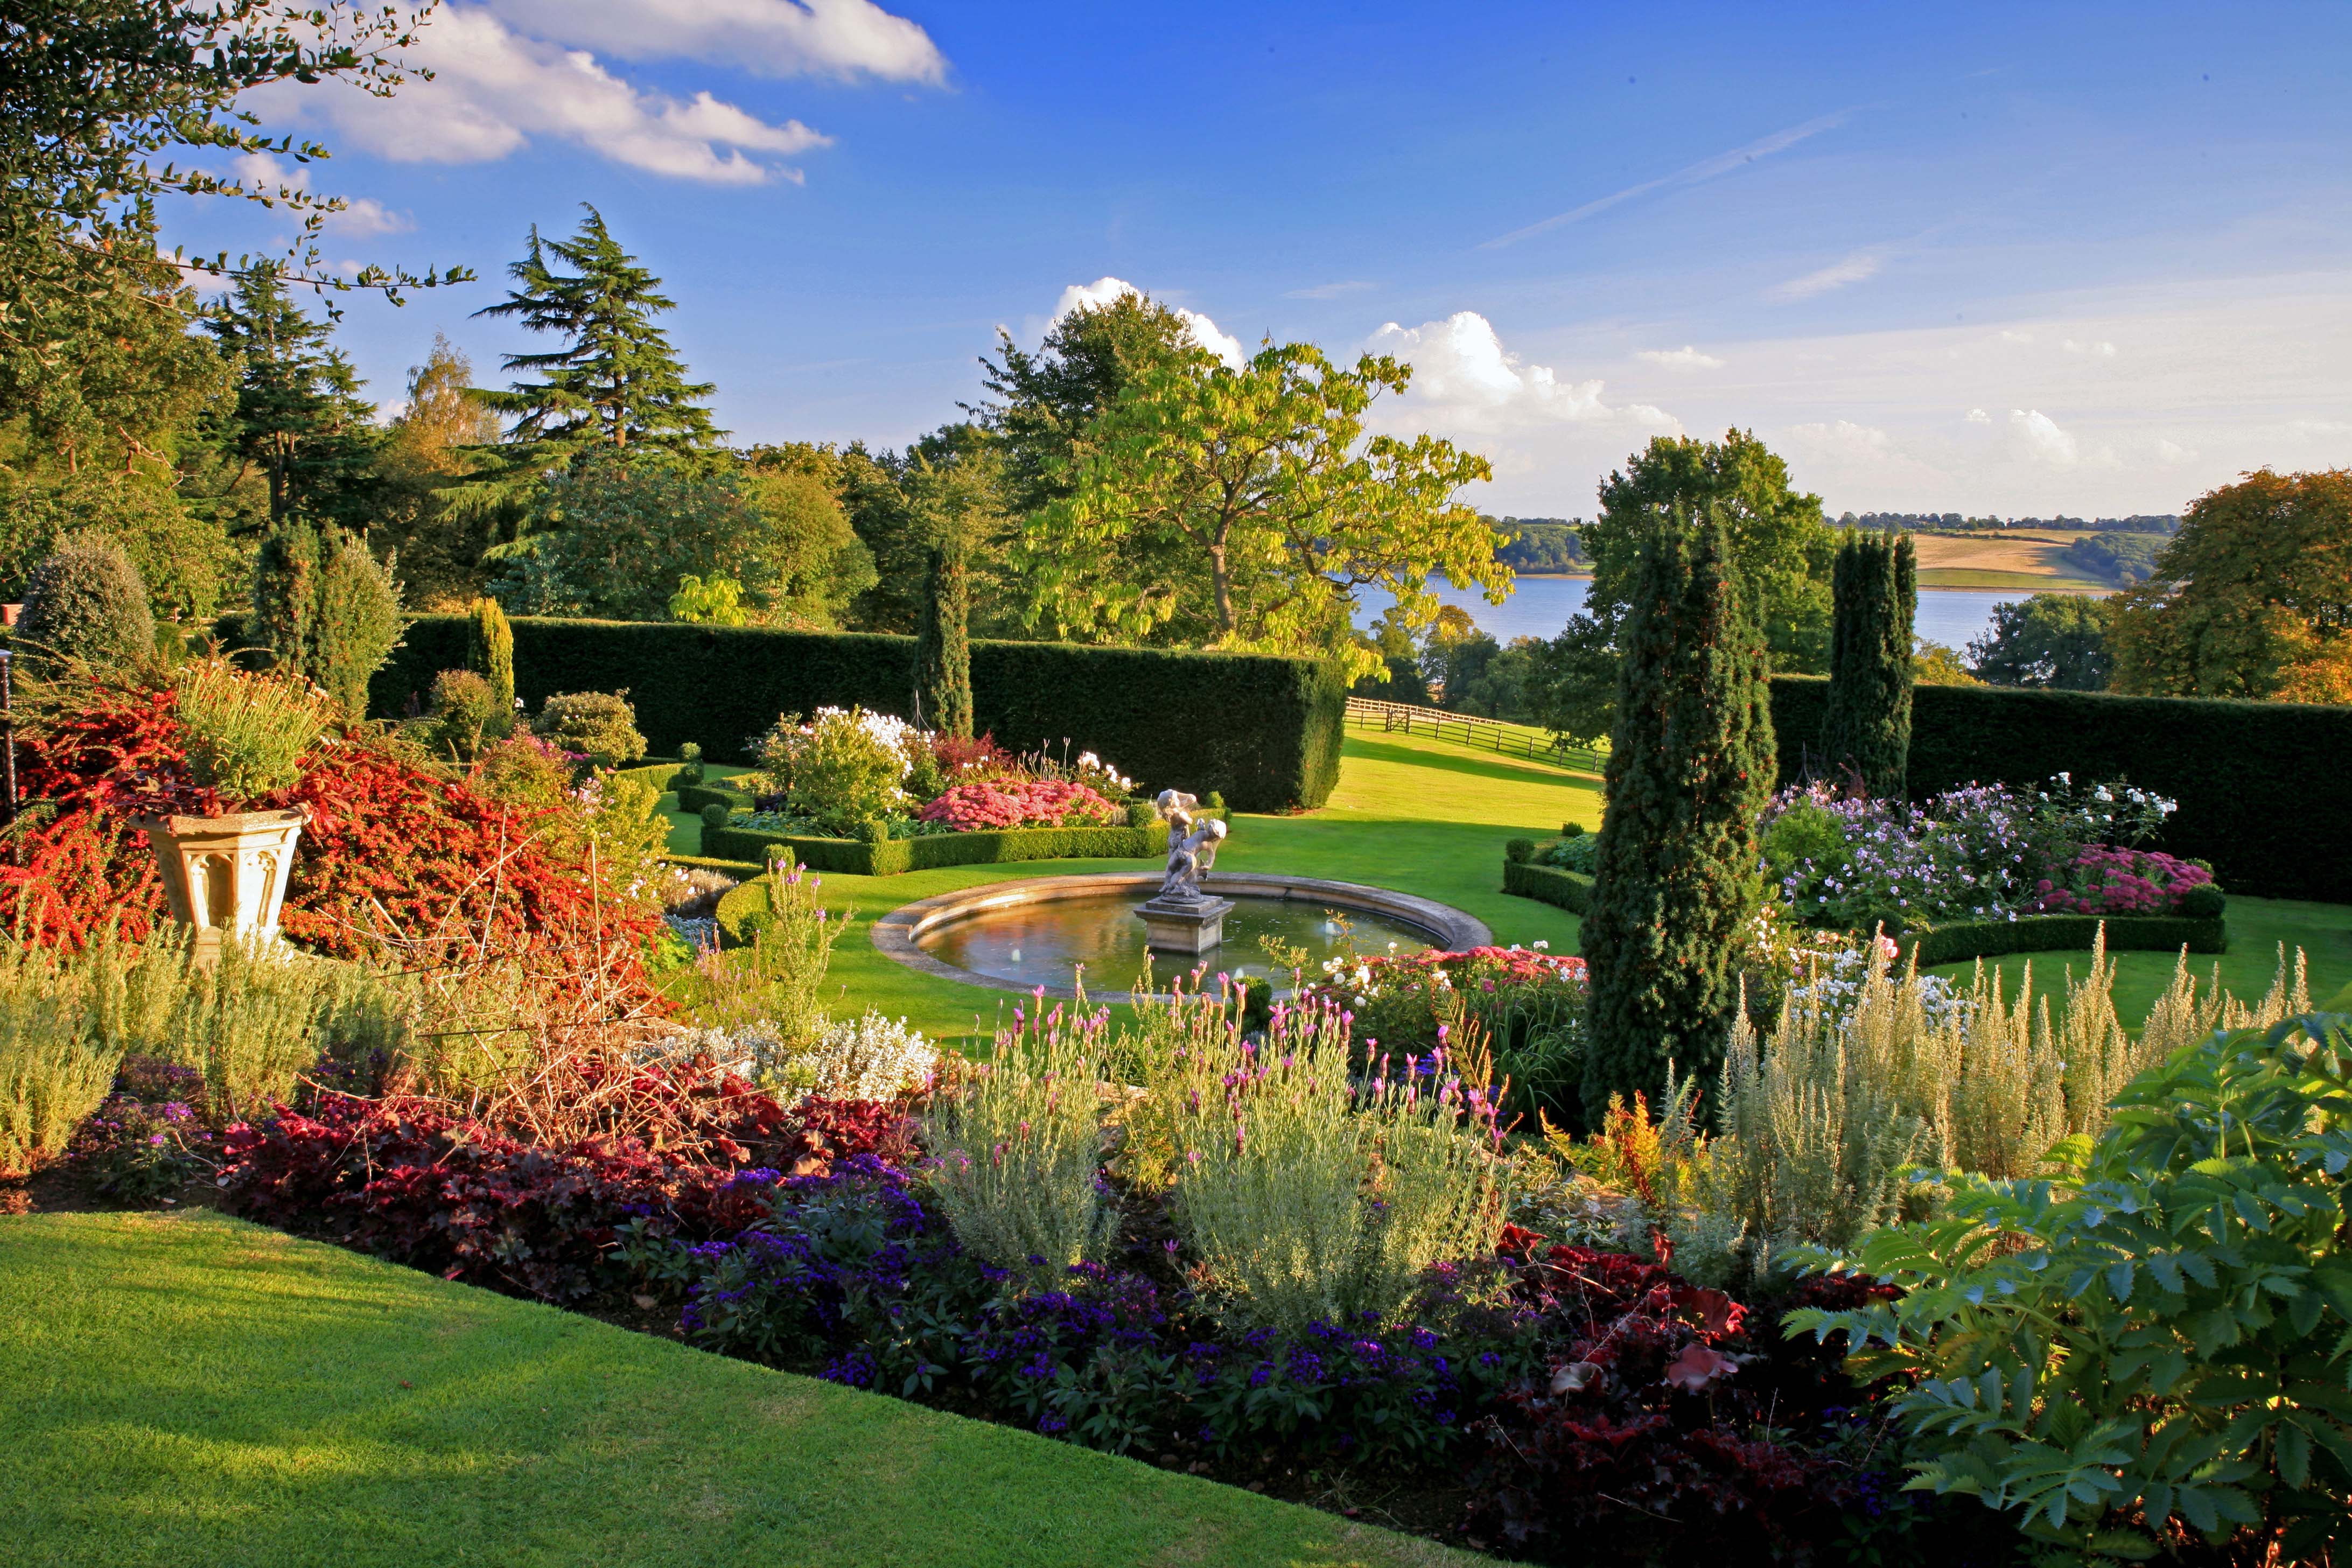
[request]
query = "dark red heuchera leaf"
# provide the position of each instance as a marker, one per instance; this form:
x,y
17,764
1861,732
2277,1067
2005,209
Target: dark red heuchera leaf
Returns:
x,y
835,1130
412,1183
1642,1416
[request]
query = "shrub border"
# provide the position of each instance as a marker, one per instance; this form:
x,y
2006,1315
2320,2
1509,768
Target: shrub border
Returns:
x,y
853,857
1962,939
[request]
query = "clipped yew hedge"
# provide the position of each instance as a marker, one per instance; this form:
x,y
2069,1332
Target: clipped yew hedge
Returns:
x,y
854,856
1263,732
1548,884
2265,788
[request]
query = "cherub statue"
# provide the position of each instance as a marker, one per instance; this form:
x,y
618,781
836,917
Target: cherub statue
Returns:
x,y
1190,857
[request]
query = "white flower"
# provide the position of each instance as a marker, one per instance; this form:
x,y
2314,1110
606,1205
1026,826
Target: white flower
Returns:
x,y
1540,947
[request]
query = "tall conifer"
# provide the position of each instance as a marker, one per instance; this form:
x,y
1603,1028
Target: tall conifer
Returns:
x,y
1867,722
489,648
943,642
615,380
1691,765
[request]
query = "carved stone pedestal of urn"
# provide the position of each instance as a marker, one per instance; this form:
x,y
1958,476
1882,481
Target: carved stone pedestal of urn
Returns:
x,y
225,876
1183,925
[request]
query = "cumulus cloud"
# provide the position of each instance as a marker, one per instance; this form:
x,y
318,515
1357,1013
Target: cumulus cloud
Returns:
x,y
1854,268
1979,417
2174,452
2101,350
1682,358
495,92
1203,330
2040,437
842,38
1462,375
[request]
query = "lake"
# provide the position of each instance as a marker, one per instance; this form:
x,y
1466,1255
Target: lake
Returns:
x,y
1541,607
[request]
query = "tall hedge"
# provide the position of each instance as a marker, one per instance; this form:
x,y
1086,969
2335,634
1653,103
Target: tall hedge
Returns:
x,y
2265,788
490,649
86,600
1866,723
1264,732
1674,877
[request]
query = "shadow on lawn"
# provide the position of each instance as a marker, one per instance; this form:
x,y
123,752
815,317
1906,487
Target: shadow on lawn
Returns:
x,y
1500,767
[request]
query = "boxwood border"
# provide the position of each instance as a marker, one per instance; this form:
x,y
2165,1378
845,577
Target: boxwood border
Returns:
x,y
853,857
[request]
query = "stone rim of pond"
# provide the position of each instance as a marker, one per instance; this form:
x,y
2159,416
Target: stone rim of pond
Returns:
x,y
899,934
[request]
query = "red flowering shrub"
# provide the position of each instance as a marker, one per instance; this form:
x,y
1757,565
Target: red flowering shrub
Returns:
x,y
389,842
412,1182
2107,879
1037,802
1644,1438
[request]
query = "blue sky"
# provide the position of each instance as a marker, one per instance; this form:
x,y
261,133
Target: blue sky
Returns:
x,y
2019,259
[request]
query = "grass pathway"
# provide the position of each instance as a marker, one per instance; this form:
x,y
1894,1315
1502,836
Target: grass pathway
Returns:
x,y
188,1389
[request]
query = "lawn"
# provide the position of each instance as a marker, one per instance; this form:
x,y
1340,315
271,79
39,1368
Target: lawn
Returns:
x,y
189,1389
1411,813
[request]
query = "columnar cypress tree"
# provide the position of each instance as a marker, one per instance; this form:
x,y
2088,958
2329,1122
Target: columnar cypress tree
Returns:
x,y
943,642
286,575
489,648
1866,723
1691,765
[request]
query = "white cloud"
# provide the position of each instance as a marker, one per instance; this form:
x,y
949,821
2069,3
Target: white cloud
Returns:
x,y
1845,435
1682,358
1979,417
2174,452
2041,439
1854,268
2319,428
1329,290
1462,375
2012,335
843,38
1690,174
1203,330
2094,350
493,92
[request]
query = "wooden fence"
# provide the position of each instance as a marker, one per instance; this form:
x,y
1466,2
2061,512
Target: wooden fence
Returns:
x,y
1485,734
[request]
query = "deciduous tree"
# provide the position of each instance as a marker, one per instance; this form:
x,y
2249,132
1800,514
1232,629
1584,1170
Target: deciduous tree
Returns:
x,y
1780,551
2251,598
1241,509
2057,640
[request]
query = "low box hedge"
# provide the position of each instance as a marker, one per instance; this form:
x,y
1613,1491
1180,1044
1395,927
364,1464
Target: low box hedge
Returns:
x,y
1264,732
692,798
1548,884
664,774
1965,940
854,856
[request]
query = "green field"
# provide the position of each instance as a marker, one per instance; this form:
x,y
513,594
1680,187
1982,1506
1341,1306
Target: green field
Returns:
x,y
188,1389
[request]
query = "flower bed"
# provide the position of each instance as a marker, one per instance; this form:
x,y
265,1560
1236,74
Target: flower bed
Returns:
x,y
1031,803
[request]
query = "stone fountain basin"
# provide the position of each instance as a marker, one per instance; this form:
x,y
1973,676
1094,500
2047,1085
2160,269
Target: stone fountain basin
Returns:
x,y
900,934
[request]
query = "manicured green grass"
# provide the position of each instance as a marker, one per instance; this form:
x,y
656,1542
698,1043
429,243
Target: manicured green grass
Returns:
x,y
188,1389
1419,816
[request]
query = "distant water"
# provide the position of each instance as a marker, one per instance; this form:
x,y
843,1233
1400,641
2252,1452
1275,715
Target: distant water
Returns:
x,y
1541,607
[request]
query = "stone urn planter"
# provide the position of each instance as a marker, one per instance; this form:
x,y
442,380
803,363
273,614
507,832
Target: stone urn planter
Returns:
x,y
225,876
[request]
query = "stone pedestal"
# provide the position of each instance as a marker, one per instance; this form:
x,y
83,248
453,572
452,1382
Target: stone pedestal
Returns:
x,y
1184,925
225,876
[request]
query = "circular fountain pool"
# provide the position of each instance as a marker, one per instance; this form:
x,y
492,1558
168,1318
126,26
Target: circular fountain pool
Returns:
x,y
1017,936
